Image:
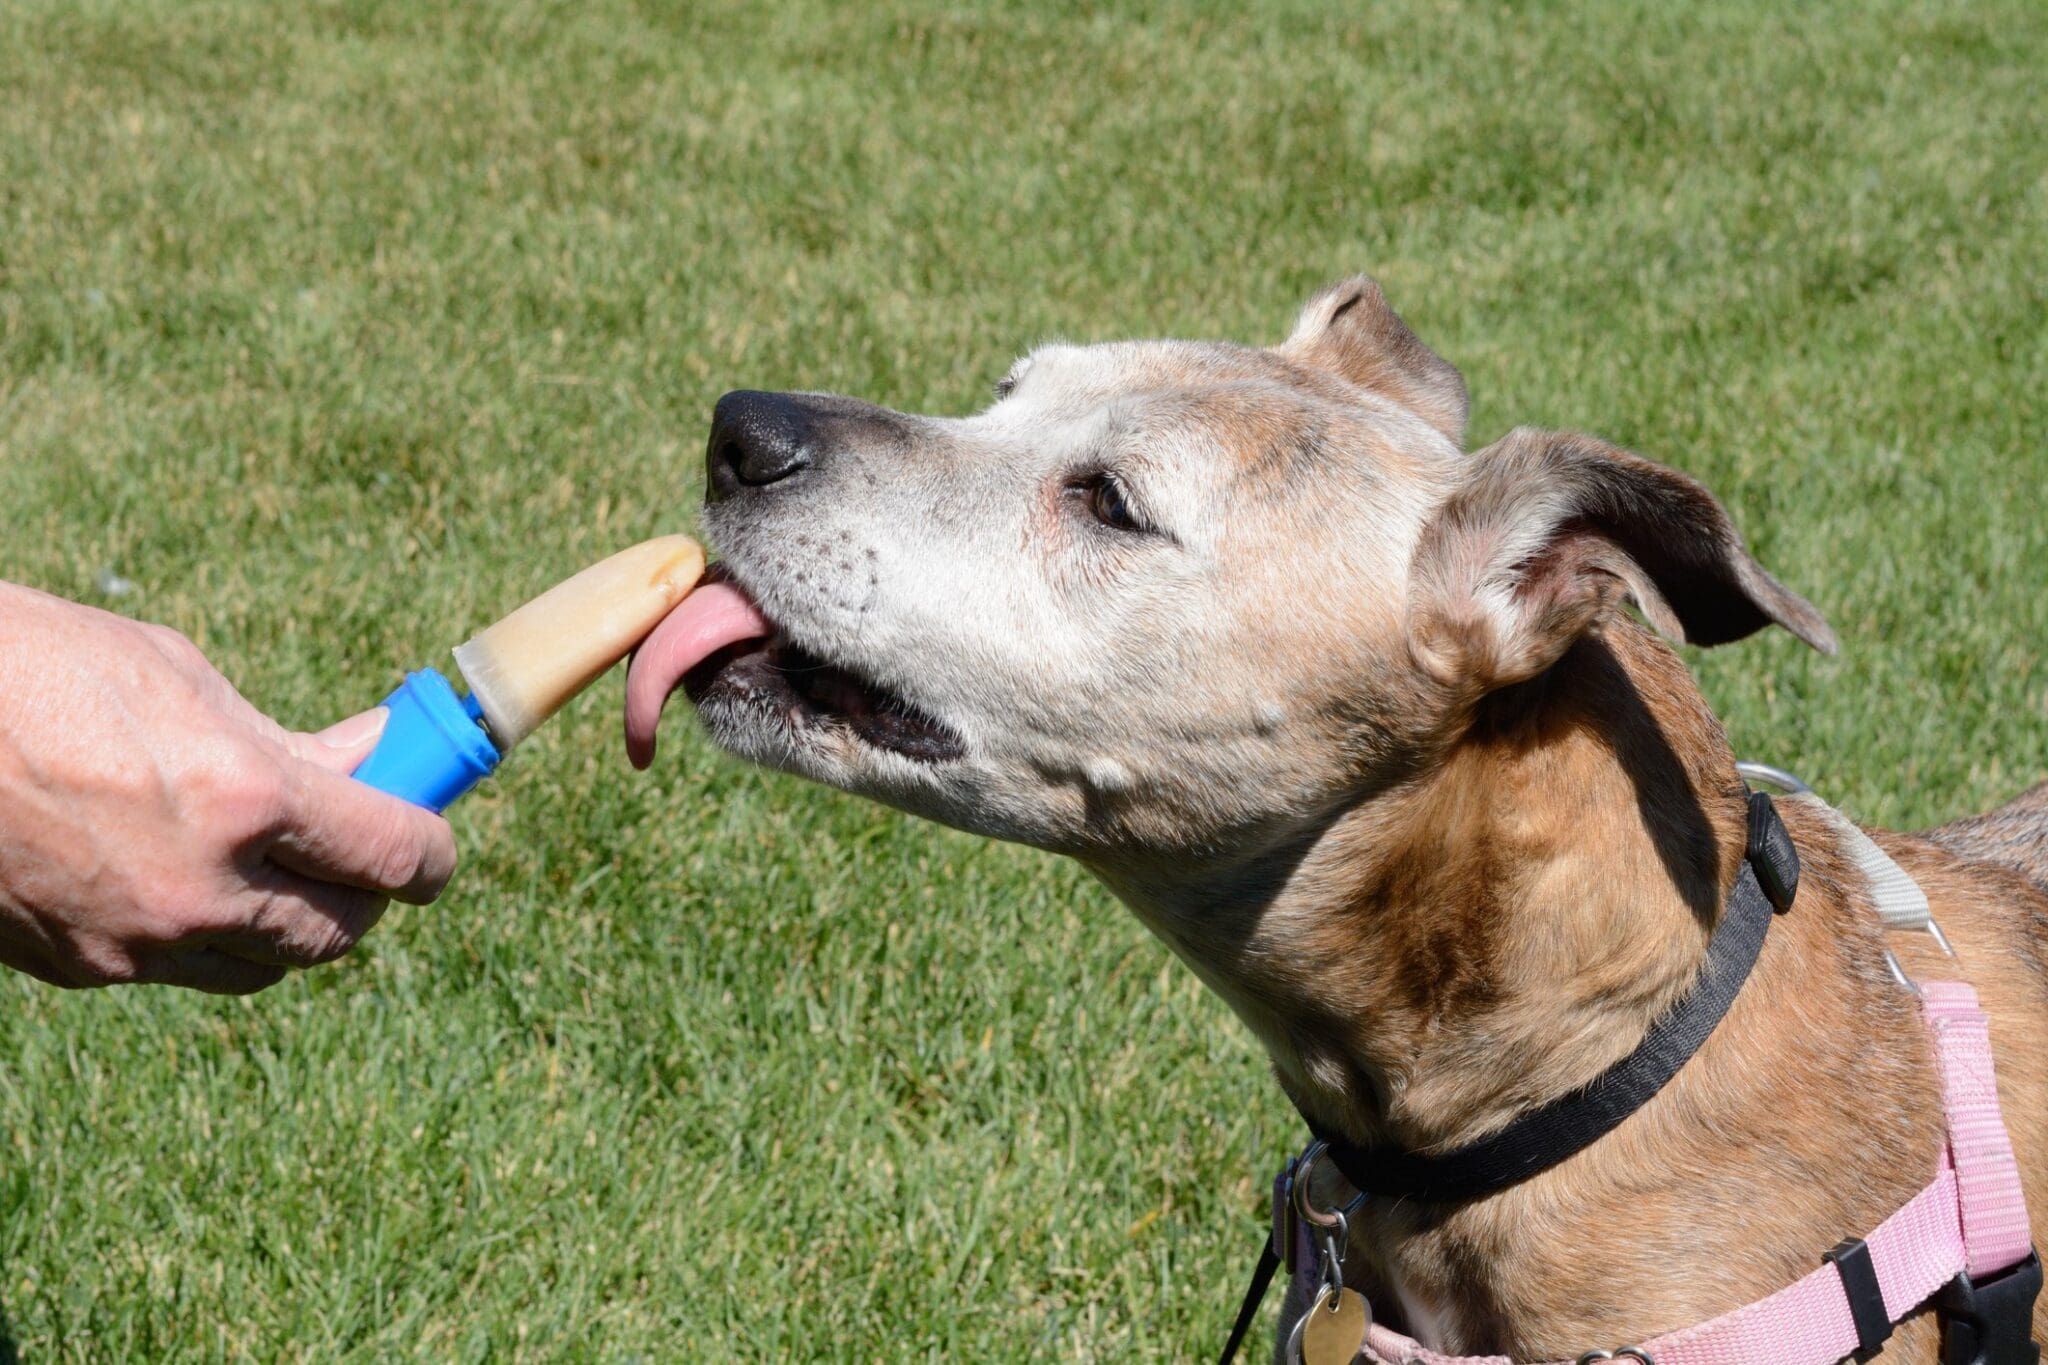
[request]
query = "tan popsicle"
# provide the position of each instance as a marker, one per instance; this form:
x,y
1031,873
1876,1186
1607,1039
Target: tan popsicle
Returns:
x,y
524,668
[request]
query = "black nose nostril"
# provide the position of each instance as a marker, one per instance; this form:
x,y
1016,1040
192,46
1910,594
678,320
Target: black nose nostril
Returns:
x,y
757,439
765,459
729,454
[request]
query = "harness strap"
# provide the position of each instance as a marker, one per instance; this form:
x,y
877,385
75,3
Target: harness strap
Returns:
x,y
1912,1254
1994,1208
1810,1322
1896,897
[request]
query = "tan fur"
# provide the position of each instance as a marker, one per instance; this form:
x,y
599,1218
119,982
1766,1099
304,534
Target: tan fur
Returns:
x,y
1808,1116
1360,728
1351,330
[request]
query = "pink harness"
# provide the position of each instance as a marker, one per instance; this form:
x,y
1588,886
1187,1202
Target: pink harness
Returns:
x,y
1970,1221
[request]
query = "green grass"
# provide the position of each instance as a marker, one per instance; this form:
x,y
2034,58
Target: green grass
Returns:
x,y
338,327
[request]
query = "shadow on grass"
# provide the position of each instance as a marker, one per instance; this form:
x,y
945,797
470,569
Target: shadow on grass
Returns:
x,y
10,1354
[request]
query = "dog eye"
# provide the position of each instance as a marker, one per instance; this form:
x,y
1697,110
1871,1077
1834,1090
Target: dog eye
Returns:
x,y
1007,385
1106,502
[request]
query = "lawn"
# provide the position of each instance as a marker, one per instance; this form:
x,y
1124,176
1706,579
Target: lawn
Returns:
x,y
330,330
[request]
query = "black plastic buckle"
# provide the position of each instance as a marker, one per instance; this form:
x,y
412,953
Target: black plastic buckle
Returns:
x,y
1771,853
1991,1322
1284,1214
1851,1259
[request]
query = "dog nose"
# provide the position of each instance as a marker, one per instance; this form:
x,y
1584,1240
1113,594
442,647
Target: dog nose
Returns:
x,y
757,439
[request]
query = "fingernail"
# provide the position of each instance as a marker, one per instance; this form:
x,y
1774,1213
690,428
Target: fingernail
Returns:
x,y
356,731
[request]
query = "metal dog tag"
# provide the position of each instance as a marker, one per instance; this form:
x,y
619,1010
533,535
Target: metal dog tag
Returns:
x,y
1333,1331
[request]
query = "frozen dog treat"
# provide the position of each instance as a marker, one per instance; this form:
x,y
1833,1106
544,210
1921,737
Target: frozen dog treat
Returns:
x,y
437,745
526,666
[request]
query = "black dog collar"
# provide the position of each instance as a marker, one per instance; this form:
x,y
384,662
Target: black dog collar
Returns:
x,y
1544,1137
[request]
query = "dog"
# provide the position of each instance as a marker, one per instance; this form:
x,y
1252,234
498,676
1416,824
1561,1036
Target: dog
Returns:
x,y
1360,724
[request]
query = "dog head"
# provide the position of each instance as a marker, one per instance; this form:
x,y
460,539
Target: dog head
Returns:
x,y
1173,598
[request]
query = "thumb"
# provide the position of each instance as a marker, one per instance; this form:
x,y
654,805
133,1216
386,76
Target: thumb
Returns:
x,y
343,746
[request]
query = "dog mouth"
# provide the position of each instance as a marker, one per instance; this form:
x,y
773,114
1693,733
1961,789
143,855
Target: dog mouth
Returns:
x,y
738,667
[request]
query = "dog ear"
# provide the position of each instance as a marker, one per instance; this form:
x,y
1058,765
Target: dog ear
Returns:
x,y
1549,531
1351,330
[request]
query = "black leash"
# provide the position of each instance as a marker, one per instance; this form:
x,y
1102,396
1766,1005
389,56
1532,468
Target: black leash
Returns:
x,y
1254,1295
1540,1139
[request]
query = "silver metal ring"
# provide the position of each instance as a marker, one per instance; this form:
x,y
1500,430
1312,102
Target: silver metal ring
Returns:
x,y
1618,1353
1939,937
1784,782
1327,1219
1293,1353
1891,963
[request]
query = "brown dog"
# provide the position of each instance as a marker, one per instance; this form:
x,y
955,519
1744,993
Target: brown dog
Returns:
x,y
1356,722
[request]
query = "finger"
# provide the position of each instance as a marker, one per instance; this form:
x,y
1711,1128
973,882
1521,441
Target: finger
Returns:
x,y
341,747
301,922
23,958
188,661
208,969
336,829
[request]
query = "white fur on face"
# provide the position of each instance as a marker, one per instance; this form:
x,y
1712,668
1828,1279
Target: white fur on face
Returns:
x,y
1218,672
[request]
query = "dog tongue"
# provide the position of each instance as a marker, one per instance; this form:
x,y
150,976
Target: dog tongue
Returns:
x,y
709,619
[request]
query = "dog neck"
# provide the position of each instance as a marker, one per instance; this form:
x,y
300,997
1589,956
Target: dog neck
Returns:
x,y
1494,932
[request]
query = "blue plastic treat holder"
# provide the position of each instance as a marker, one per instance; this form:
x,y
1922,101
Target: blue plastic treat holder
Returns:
x,y
434,747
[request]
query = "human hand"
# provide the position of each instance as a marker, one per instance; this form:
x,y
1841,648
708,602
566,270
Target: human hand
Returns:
x,y
154,826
